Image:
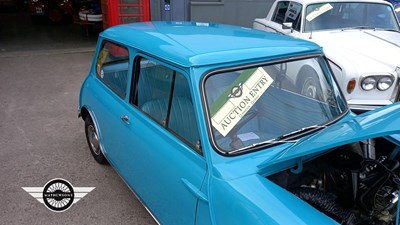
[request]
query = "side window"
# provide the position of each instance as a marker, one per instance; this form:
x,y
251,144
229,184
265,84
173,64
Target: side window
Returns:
x,y
112,67
164,95
293,15
280,12
288,12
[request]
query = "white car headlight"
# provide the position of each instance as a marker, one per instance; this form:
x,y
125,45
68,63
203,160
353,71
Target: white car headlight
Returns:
x,y
384,83
368,83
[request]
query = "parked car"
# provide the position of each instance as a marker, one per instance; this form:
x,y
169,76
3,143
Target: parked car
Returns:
x,y
206,124
54,10
360,38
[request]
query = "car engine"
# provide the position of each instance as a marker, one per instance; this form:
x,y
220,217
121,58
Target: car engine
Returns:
x,y
350,184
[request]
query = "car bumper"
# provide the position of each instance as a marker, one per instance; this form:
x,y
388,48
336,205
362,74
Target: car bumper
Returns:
x,y
358,109
365,106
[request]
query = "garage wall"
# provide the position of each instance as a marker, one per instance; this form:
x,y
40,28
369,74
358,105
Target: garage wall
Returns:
x,y
155,9
237,12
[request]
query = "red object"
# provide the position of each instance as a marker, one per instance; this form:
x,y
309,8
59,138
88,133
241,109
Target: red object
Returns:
x,y
124,11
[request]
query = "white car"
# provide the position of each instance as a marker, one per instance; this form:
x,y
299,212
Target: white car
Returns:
x,y
361,40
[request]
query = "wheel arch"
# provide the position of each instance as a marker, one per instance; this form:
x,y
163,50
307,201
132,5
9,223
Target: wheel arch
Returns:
x,y
84,113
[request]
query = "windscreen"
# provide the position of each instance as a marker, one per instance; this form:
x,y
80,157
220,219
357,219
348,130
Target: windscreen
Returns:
x,y
254,105
347,15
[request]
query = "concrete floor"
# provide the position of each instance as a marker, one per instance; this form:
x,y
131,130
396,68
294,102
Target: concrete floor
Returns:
x,y
41,138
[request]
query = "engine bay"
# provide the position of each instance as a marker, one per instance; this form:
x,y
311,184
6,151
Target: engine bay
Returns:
x,y
354,184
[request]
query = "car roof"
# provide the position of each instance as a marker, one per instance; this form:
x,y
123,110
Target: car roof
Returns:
x,y
306,2
197,44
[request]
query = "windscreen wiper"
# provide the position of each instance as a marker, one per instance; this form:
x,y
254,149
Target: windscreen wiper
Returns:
x,y
297,132
279,140
358,28
272,141
268,142
296,142
383,29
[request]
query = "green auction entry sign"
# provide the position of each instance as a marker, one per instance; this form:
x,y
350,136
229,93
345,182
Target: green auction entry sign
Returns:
x,y
238,99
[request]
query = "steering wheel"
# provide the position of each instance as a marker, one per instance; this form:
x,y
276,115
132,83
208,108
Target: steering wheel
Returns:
x,y
235,141
243,121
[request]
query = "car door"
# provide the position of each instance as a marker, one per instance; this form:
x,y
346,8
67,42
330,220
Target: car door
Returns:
x,y
109,91
158,151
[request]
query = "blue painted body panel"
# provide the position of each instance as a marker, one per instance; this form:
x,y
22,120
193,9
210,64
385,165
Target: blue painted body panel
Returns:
x,y
180,186
276,206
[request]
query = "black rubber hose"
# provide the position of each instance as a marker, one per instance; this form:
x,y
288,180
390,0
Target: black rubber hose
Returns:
x,y
326,204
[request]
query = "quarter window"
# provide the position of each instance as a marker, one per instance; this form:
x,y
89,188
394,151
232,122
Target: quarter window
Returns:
x,y
288,12
163,94
112,67
280,12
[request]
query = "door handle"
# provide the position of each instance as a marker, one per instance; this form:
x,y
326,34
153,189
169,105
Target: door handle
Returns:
x,y
125,118
196,191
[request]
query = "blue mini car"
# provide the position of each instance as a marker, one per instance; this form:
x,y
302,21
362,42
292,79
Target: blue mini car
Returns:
x,y
207,124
